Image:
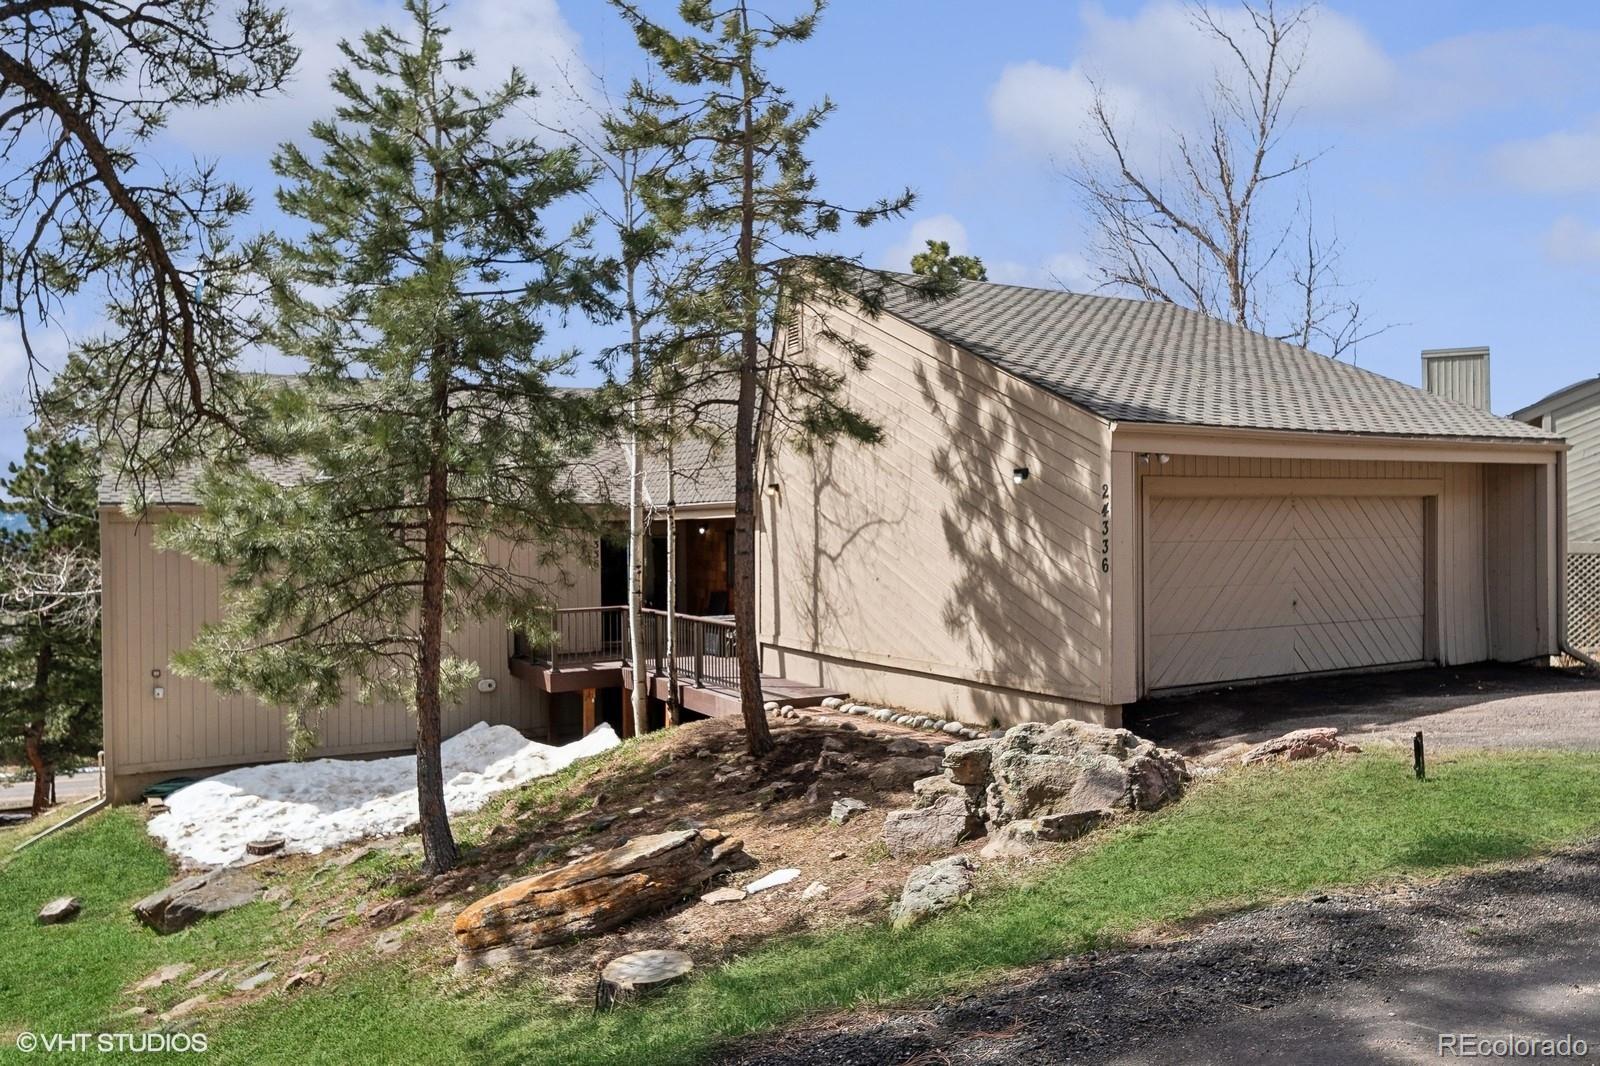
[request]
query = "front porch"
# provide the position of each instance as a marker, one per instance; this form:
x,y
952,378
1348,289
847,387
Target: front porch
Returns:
x,y
591,656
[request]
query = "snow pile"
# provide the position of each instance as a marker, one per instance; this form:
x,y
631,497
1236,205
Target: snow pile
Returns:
x,y
329,802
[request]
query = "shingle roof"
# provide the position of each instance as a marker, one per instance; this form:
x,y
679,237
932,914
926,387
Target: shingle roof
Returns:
x,y
1141,361
703,463
1563,395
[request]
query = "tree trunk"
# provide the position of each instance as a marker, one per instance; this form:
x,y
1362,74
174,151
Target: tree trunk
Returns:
x,y
636,528
758,737
44,771
672,581
438,845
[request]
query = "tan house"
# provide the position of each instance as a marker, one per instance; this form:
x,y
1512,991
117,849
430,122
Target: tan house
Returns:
x,y
159,725
1082,501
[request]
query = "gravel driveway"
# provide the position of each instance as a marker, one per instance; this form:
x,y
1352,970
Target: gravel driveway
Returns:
x,y
1469,707
1362,978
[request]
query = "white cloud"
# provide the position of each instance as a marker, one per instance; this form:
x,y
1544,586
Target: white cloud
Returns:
x,y
1155,66
529,34
933,228
1571,241
1566,161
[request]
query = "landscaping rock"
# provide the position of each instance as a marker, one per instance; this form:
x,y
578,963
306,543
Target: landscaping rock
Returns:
x,y
592,895
933,888
1014,840
953,728
1299,744
929,790
389,941
835,762
61,909
937,827
185,902
164,976
832,702
967,763
907,746
629,976
304,979
206,978
186,1008
388,913
815,890
1071,767
845,809
254,981
775,879
724,895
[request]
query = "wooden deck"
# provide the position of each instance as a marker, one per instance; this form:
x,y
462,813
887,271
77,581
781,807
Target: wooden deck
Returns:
x,y
711,698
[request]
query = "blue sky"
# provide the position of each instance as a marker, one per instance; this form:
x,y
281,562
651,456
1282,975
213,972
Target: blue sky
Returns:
x,y
1462,165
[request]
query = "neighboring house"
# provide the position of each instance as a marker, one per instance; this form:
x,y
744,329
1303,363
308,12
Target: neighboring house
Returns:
x,y
158,724
1081,501
1574,414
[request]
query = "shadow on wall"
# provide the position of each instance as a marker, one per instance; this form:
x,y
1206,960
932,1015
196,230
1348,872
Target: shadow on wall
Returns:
x,y
1024,599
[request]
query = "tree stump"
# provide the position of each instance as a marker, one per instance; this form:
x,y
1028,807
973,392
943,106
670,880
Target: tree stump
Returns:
x,y
627,977
265,846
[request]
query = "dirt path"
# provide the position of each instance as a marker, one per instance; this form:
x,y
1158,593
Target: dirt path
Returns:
x,y
1360,978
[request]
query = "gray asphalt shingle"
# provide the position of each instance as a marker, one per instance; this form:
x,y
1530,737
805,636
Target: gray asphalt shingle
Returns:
x,y
1141,361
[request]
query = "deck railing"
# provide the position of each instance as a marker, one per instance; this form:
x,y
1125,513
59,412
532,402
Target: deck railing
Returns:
x,y
704,647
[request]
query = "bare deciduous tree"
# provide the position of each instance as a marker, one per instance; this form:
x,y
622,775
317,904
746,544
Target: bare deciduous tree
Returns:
x,y
1209,227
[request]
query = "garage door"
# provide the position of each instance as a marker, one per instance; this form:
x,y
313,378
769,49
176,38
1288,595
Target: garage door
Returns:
x,y
1262,587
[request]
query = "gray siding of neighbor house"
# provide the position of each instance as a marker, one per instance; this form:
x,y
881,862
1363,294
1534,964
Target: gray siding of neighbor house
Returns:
x,y
1579,422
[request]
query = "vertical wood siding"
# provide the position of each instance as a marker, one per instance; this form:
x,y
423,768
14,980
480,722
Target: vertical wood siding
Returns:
x,y
155,603
1461,376
922,554
1580,425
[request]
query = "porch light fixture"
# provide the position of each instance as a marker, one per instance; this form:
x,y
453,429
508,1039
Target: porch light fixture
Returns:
x,y
772,489
1019,474
1165,458
701,530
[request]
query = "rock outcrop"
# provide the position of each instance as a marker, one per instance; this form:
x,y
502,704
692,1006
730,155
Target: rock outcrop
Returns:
x,y
1061,779
592,895
1300,744
185,902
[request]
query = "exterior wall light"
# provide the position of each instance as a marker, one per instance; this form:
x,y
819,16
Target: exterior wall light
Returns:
x,y
701,530
772,489
1019,474
1165,458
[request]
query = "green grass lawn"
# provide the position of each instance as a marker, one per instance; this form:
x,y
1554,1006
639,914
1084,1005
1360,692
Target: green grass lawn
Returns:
x,y
1243,839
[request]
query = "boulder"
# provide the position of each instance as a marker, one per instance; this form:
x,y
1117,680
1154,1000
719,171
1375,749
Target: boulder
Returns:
x,y
933,888
185,902
941,825
1014,840
967,763
1299,744
929,790
1072,767
592,895
61,909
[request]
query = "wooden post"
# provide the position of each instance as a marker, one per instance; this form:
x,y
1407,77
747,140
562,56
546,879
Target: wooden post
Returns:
x,y
588,711
627,702
1420,764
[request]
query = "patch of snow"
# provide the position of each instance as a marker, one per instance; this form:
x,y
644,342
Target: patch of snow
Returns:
x,y
324,803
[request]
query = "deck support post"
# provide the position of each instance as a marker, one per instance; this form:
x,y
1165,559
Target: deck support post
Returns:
x,y
588,711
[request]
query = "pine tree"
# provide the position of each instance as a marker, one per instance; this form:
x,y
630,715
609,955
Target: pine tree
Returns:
x,y
937,262
743,182
426,431
50,610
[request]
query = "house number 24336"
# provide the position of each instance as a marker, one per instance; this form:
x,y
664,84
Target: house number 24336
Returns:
x,y
1105,529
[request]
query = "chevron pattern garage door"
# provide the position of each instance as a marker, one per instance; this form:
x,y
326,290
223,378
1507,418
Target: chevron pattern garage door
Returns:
x,y
1262,587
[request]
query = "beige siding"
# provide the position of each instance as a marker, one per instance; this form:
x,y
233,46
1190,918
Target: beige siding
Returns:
x,y
1518,544
1460,374
155,603
917,572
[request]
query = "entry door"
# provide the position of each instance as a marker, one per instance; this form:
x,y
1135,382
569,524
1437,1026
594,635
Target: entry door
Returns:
x,y
1246,587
